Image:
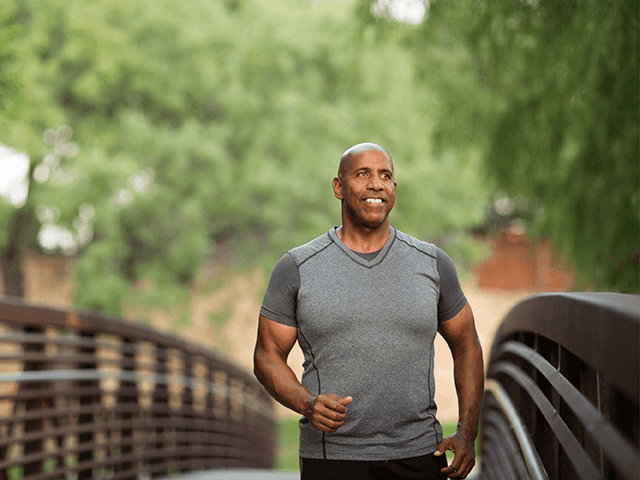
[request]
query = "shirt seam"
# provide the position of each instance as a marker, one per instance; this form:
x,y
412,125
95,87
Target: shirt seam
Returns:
x,y
311,255
416,248
315,367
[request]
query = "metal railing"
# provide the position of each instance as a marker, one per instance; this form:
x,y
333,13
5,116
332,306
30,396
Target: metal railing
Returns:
x,y
561,397
86,396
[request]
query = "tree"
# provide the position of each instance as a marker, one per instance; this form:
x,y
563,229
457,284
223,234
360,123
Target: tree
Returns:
x,y
14,225
195,124
548,93
568,133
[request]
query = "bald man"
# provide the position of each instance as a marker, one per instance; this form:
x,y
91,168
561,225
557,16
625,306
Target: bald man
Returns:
x,y
365,301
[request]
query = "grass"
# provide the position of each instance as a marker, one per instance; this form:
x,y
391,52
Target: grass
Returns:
x,y
287,454
15,473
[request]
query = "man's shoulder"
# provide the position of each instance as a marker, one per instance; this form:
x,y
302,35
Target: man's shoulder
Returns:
x,y
311,248
416,244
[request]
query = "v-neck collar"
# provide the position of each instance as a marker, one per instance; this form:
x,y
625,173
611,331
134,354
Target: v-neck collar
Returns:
x,y
357,258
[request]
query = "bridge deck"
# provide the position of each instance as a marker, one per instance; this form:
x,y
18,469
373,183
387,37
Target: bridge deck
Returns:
x,y
237,474
257,474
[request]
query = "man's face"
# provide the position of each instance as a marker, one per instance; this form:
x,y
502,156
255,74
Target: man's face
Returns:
x,y
367,188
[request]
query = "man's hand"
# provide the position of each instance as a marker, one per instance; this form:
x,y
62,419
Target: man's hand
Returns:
x,y
327,412
464,455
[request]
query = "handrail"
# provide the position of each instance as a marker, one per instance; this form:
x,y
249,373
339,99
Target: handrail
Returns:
x,y
514,427
600,328
84,395
563,380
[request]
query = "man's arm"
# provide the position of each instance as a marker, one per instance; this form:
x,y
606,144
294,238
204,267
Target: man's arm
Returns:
x,y
468,370
275,341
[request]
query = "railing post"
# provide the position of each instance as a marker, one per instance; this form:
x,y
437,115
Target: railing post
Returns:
x,y
186,407
5,435
33,404
127,400
88,400
160,406
209,405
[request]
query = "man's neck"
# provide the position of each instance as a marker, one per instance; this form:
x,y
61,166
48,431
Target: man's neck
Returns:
x,y
364,240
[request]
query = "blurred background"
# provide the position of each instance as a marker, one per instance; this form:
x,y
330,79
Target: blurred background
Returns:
x,y
158,157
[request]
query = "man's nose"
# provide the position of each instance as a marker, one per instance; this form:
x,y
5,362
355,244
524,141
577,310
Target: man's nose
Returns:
x,y
375,183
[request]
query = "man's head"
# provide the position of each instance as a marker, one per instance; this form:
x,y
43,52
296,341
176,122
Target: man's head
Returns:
x,y
358,149
365,185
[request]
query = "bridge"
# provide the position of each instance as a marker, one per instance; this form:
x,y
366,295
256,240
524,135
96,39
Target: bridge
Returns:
x,y
85,396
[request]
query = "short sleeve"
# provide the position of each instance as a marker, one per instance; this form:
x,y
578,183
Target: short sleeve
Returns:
x,y
280,299
452,299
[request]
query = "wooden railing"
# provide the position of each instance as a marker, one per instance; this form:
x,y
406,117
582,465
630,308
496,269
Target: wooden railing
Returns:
x,y
85,396
561,401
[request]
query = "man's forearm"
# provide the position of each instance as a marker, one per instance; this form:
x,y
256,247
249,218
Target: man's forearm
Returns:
x,y
282,384
469,380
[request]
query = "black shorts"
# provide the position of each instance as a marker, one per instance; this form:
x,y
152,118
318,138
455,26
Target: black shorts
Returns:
x,y
425,467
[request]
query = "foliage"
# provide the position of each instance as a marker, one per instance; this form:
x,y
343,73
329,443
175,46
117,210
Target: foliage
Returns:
x,y
461,115
564,76
191,125
8,83
546,93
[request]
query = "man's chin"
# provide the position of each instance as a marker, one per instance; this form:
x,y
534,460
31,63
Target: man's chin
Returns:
x,y
370,220
374,224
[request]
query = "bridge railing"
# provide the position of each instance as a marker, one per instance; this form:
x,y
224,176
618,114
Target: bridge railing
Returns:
x,y
562,390
87,396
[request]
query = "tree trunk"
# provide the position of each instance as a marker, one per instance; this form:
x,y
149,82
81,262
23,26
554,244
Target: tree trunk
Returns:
x,y
22,232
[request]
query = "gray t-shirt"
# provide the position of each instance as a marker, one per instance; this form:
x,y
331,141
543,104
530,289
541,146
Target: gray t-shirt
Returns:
x,y
366,324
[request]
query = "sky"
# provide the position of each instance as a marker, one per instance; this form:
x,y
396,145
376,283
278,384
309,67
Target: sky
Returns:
x,y
14,167
407,11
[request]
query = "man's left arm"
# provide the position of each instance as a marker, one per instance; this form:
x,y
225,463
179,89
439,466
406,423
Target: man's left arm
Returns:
x,y
468,370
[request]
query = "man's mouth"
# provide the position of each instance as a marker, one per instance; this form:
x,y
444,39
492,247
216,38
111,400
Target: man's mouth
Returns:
x,y
375,201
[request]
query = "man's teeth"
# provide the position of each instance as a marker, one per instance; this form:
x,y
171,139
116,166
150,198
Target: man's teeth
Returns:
x,y
373,200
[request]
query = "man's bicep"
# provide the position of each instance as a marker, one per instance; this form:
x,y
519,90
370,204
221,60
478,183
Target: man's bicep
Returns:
x,y
459,331
274,337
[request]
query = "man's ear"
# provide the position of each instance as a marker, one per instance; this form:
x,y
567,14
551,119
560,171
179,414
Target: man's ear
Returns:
x,y
337,188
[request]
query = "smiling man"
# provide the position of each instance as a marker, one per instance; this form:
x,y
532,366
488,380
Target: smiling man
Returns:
x,y
365,302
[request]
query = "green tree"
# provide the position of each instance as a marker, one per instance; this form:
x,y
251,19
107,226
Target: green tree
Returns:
x,y
548,93
193,124
13,235
8,33
565,75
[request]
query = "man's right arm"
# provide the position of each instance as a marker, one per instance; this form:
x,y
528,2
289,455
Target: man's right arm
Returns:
x,y
275,341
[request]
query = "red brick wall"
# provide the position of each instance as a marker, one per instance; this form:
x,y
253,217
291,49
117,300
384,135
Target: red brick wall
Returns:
x,y
518,264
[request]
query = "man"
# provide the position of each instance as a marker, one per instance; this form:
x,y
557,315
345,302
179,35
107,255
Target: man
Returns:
x,y
364,302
